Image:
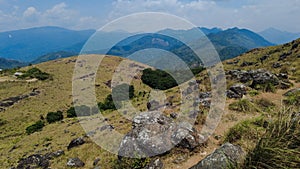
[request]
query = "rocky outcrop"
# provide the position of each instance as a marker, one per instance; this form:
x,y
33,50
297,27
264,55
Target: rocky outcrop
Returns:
x,y
256,78
75,162
154,133
38,160
236,91
34,161
13,100
76,142
225,156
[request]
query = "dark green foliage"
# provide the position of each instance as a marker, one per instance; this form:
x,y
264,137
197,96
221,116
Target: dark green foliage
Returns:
x,y
158,79
197,70
82,110
35,73
54,116
38,126
108,104
71,112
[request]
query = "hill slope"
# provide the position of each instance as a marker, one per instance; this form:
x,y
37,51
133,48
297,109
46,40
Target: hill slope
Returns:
x,y
56,95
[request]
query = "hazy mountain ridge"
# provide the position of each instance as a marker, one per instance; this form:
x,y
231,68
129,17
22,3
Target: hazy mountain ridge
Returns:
x,y
278,37
42,44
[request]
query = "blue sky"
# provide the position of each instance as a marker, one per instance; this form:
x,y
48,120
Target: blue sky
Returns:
x,y
256,15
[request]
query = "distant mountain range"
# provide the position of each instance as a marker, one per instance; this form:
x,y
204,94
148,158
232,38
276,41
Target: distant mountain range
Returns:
x,y
42,44
8,63
279,37
28,44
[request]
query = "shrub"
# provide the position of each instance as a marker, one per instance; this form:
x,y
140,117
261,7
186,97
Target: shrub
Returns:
x,y
35,73
108,104
54,116
71,112
158,79
38,126
82,110
279,147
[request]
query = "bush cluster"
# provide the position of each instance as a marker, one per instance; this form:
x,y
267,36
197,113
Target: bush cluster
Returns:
x,y
54,116
38,126
35,73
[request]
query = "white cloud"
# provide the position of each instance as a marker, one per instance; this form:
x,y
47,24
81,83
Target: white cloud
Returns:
x,y
30,11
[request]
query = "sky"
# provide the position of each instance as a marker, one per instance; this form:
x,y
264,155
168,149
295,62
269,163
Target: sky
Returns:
x,y
256,15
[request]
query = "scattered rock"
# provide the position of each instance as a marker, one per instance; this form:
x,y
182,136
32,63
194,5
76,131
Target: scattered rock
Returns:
x,y
75,162
237,91
54,154
155,164
204,95
34,161
276,65
173,115
12,100
225,156
285,85
263,58
284,56
76,142
107,127
282,76
96,161
244,64
153,105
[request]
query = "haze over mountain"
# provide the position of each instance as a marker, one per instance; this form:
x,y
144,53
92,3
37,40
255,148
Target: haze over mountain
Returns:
x,y
28,44
277,36
42,44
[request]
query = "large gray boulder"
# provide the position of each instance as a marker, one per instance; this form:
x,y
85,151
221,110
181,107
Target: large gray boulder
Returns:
x,y
76,142
153,133
225,156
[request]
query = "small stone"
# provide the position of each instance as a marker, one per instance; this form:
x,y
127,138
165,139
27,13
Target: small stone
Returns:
x,y
75,162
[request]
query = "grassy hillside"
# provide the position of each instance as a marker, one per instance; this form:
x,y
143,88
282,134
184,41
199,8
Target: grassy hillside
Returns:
x,y
56,95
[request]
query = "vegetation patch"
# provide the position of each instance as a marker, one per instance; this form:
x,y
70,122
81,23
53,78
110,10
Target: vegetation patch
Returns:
x,y
292,99
35,73
159,79
131,163
242,105
82,110
246,130
38,126
54,116
279,147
